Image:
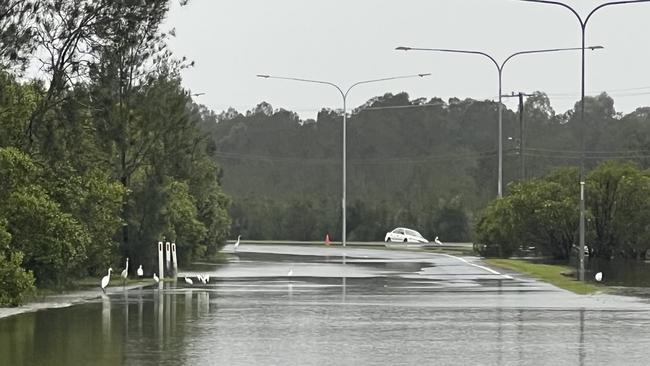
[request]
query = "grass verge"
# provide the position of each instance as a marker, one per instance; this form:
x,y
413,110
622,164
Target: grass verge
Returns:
x,y
551,273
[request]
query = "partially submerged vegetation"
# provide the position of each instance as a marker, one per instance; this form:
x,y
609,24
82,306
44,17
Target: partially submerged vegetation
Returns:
x,y
102,152
543,213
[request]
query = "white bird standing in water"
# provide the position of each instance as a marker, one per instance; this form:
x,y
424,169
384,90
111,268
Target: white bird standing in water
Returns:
x,y
106,279
290,273
155,278
189,281
599,276
437,241
140,271
237,243
125,273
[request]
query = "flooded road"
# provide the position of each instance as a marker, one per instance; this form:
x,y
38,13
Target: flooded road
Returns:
x,y
289,305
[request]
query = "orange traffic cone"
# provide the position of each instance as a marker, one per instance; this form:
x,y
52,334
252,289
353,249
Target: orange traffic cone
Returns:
x,y
327,239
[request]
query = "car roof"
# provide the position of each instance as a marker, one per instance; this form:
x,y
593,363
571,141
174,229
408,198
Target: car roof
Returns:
x,y
405,228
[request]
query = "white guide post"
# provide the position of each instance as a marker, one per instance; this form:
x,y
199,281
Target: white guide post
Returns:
x,y
160,260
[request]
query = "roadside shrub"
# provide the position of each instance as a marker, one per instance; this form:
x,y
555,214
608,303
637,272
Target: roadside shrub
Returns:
x,y
15,282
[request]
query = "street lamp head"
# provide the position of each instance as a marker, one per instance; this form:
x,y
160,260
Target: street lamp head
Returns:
x,y
402,48
595,47
424,75
263,76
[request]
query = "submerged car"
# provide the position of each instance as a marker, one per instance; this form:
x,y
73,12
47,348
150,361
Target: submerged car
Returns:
x,y
404,235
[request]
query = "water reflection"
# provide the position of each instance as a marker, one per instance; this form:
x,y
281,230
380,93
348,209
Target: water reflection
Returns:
x,y
582,352
384,318
621,272
106,316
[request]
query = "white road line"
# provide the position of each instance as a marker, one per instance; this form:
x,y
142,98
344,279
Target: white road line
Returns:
x,y
476,265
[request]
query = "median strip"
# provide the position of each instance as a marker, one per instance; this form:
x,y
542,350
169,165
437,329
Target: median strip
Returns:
x,y
551,273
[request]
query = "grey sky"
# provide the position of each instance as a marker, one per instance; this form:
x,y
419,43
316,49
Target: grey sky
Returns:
x,y
348,41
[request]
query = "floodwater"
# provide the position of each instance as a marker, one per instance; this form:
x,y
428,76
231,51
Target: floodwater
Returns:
x,y
287,305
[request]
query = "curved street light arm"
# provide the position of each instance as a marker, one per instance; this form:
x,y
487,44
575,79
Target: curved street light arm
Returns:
x,y
343,94
401,48
385,79
611,3
582,24
549,50
304,80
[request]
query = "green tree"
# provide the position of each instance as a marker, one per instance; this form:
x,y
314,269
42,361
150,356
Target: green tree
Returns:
x,y
15,282
618,197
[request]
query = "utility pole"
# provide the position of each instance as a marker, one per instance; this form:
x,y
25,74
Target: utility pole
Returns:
x,y
521,147
521,136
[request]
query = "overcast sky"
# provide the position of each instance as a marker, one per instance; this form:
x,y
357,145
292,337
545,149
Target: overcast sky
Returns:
x,y
345,41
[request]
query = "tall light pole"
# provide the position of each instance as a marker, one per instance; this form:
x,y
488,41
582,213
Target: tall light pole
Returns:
x,y
500,72
583,27
344,95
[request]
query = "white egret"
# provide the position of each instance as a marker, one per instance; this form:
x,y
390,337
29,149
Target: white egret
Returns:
x,y
140,271
599,276
125,273
189,281
237,243
290,273
106,279
155,278
437,241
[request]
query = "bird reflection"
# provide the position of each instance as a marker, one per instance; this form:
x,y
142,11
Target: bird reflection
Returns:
x,y
203,302
106,316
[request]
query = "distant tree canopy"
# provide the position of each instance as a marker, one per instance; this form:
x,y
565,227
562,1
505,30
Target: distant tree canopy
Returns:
x,y
426,164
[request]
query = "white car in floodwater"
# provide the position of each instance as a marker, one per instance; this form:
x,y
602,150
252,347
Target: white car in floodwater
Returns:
x,y
404,235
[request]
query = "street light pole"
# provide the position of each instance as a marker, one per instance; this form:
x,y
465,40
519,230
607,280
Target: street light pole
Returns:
x,y
344,96
500,73
583,27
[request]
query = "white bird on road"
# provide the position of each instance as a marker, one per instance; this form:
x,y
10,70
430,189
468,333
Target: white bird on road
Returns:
x,y
237,243
140,271
155,278
437,241
106,279
189,281
599,276
125,273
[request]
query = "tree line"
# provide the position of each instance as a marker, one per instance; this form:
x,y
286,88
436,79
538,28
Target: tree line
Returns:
x,y
428,164
102,153
542,213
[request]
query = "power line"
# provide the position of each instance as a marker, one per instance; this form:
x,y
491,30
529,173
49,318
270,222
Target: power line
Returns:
x,y
373,161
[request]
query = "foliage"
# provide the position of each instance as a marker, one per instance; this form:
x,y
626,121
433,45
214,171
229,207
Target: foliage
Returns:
x,y
619,201
16,32
543,213
540,213
15,282
103,154
494,229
